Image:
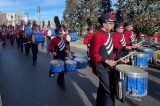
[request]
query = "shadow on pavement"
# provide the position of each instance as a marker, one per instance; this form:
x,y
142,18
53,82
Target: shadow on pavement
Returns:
x,y
86,85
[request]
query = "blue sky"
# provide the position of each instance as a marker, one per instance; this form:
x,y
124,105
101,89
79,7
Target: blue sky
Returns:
x,y
49,8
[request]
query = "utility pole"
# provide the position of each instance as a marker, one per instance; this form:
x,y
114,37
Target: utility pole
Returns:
x,y
38,12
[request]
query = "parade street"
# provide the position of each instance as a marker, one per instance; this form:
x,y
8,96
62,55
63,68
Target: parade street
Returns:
x,y
22,84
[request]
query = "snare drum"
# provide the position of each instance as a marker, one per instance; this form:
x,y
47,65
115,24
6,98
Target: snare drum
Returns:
x,y
57,66
81,63
135,79
141,60
70,65
149,52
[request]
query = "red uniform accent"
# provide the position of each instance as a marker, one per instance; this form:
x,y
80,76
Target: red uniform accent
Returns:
x,y
54,45
64,36
157,36
45,32
127,35
87,38
116,42
98,52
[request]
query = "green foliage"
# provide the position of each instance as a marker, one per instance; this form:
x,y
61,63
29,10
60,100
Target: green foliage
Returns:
x,y
77,11
144,12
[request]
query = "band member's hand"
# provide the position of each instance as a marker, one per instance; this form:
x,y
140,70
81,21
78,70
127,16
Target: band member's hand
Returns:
x,y
134,46
129,47
54,53
110,62
125,60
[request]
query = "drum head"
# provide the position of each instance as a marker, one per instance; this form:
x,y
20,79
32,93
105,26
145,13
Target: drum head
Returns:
x,y
141,55
131,71
70,62
81,60
128,69
56,62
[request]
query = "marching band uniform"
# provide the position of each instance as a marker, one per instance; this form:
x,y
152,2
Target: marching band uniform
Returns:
x,y
34,47
101,52
67,38
129,36
119,42
58,46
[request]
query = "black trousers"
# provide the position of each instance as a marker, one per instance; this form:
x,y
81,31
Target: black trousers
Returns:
x,y
34,48
27,48
106,90
18,42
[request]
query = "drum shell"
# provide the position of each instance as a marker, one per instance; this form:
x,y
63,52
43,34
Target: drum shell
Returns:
x,y
135,79
81,63
141,60
70,65
149,52
136,87
57,66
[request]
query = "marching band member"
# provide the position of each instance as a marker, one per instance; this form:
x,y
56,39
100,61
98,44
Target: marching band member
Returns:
x,y
59,48
28,42
101,52
34,47
129,36
87,38
119,42
67,37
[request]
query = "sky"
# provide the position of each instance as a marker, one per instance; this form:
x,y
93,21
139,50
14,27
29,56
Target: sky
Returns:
x,y
49,8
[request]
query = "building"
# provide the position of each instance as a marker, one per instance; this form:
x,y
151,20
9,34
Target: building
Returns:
x,y
16,18
2,18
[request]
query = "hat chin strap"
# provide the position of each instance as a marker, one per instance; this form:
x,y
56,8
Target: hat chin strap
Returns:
x,y
104,29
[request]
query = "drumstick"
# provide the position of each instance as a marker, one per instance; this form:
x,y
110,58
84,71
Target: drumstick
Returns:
x,y
125,57
140,42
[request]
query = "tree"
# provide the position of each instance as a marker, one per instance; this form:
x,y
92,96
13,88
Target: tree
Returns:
x,y
143,12
77,12
106,5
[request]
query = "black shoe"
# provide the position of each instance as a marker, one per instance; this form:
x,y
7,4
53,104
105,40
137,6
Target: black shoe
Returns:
x,y
51,75
61,84
34,63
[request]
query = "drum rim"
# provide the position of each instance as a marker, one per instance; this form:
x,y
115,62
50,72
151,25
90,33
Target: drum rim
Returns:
x,y
129,72
52,62
69,60
141,55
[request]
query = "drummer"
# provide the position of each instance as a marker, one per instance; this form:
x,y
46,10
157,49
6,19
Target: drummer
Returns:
x,y
119,42
34,47
88,36
59,48
130,36
101,52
